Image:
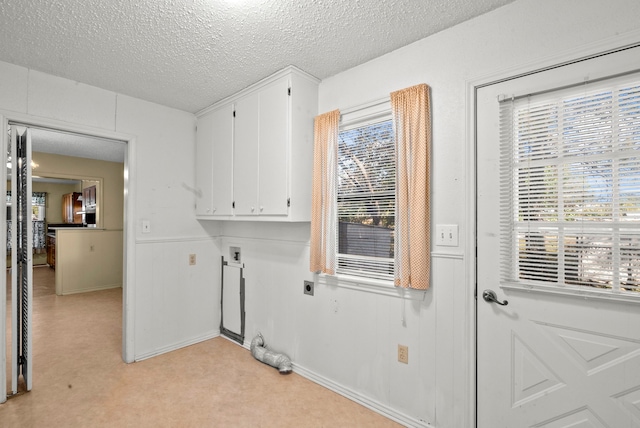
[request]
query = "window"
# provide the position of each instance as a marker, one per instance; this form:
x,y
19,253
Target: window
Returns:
x,y
371,194
366,200
570,214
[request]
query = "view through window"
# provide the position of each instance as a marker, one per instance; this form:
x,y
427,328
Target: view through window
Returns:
x,y
571,197
366,200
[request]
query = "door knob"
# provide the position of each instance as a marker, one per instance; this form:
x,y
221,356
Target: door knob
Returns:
x,y
490,296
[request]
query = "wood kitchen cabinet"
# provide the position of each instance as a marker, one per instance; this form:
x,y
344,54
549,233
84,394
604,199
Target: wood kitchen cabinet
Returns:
x,y
89,198
262,159
71,208
51,251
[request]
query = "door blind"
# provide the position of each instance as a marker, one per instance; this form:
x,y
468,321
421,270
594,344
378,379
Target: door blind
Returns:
x,y
570,185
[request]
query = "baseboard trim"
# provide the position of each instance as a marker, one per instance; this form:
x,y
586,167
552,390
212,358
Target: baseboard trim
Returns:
x,y
89,290
352,395
367,402
177,346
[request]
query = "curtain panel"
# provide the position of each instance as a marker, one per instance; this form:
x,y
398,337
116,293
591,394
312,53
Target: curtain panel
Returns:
x,y
323,216
412,123
39,227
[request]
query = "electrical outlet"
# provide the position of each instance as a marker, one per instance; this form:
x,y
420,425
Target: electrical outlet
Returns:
x,y
403,354
308,288
192,259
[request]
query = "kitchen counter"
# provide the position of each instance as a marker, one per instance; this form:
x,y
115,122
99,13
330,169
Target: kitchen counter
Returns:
x,y
87,259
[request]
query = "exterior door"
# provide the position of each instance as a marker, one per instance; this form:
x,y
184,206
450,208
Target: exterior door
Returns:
x,y
549,355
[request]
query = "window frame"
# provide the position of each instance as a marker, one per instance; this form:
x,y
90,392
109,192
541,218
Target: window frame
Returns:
x,y
362,115
511,252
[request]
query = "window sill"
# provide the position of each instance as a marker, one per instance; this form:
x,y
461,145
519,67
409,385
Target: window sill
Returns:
x,y
385,288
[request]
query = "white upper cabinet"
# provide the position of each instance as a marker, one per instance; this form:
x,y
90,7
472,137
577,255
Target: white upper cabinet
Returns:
x,y
274,137
245,154
214,154
264,168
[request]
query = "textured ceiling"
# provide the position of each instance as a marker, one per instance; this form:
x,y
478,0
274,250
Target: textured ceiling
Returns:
x,y
81,146
189,54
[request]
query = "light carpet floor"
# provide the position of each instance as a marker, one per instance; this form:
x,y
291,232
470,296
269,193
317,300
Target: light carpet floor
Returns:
x,y
80,379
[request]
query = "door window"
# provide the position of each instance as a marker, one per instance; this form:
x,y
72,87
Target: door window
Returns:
x,y
570,211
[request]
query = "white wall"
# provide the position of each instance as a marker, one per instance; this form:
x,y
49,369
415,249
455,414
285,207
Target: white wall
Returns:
x,y
354,349
174,304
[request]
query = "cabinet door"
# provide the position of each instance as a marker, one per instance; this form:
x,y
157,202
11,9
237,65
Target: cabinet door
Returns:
x,y
76,208
222,196
65,208
274,139
204,165
245,155
214,148
89,197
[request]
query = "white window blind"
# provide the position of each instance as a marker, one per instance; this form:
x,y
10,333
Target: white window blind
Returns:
x,y
366,200
570,185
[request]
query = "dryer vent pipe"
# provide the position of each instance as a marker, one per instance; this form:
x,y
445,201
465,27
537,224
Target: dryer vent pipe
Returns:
x,y
274,359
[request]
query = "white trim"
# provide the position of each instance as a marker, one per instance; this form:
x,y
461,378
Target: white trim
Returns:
x,y
263,240
352,395
86,290
632,298
373,104
366,114
447,255
369,285
349,393
178,239
3,266
129,253
179,345
69,127
538,64
380,287
267,80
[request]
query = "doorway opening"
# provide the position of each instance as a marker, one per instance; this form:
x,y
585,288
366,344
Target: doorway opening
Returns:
x,y
94,169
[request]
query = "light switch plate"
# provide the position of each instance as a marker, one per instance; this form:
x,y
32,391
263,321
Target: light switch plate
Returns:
x,y
447,235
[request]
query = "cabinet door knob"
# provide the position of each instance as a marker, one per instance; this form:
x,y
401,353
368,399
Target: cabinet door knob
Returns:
x,y
214,210
261,209
252,209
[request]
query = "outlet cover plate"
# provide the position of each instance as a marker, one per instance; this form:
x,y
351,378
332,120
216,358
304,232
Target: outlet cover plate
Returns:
x,y
403,354
308,288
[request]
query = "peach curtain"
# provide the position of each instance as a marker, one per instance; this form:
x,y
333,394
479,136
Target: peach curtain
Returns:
x,y
323,219
412,123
